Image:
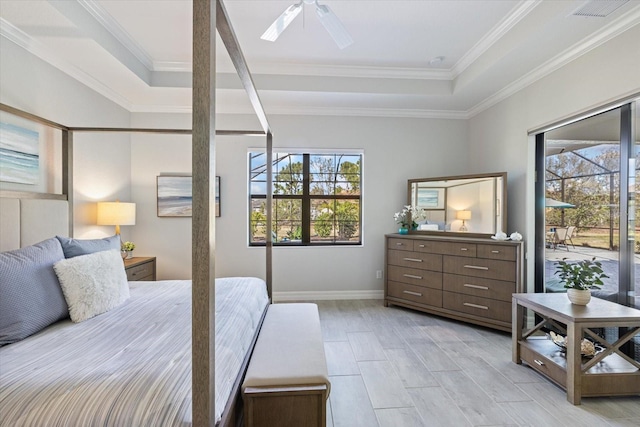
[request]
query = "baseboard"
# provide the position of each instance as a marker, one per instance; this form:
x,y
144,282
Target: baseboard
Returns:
x,y
326,295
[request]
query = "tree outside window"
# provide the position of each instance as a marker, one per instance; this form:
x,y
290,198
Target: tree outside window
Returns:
x,y
316,199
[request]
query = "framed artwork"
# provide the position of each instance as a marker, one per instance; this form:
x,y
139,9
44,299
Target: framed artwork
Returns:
x,y
430,198
175,195
19,154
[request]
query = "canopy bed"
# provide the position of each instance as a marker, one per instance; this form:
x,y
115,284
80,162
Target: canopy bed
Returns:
x,y
156,373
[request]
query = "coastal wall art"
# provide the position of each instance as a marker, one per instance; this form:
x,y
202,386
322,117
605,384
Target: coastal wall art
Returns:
x,y
19,155
175,195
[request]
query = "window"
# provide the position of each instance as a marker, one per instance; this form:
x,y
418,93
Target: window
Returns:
x,y
316,199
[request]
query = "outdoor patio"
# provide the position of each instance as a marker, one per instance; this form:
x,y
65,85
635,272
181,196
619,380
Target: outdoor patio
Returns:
x,y
609,260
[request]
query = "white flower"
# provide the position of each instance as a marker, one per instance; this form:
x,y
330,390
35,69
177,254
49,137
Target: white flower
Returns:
x,y
402,217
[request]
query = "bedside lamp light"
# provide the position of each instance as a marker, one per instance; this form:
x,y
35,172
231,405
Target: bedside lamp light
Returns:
x,y
464,216
116,213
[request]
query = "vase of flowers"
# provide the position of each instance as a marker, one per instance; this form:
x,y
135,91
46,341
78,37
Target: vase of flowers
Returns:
x,y
579,278
407,219
128,247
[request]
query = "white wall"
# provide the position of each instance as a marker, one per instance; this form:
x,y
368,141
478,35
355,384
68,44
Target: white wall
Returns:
x,y
608,72
394,151
101,162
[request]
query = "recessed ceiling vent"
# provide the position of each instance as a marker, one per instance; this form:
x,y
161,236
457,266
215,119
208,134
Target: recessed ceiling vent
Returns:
x,y
599,8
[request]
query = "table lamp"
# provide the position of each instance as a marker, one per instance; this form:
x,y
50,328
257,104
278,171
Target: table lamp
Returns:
x,y
116,213
463,215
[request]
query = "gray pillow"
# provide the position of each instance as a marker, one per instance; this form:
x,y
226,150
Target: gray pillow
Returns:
x,y
30,294
75,247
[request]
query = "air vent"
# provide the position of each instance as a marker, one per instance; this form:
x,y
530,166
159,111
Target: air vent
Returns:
x,y
599,8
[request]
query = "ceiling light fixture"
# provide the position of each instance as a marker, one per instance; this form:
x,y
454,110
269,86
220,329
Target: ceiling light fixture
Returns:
x,y
326,16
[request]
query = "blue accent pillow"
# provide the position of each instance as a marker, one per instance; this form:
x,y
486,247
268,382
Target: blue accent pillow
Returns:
x,y
75,247
30,294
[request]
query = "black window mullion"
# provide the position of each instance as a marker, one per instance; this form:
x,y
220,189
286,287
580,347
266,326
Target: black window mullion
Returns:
x,y
306,200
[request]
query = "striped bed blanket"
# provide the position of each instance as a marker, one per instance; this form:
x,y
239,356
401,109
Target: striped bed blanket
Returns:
x,y
130,366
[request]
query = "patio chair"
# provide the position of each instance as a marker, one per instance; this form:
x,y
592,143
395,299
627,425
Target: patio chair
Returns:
x,y
561,237
570,230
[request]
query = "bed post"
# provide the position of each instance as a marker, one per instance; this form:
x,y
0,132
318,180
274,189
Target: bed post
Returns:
x,y
203,222
67,173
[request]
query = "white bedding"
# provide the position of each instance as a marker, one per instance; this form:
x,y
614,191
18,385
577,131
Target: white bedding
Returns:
x,y
130,366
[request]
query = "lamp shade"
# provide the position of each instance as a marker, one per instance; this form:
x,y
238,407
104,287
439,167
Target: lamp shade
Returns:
x,y
463,215
116,213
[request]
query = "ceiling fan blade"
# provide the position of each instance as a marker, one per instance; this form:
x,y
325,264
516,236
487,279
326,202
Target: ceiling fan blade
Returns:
x,y
281,24
333,26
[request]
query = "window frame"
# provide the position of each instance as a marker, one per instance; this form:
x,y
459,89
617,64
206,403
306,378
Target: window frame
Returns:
x,y
306,198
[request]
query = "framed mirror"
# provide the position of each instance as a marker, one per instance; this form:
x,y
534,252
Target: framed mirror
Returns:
x,y
469,205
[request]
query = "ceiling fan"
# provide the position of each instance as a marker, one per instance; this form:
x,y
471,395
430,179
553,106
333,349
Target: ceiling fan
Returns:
x,y
328,19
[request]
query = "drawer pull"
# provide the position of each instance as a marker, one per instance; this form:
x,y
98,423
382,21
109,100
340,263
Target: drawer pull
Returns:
x,y
411,276
469,285
415,294
412,259
538,362
464,249
476,267
421,246
468,304
399,244
495,252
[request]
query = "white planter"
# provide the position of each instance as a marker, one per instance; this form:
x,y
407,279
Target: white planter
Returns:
x,y
578,296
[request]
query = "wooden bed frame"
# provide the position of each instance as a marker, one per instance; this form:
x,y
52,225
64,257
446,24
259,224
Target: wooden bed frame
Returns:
x,y
208,16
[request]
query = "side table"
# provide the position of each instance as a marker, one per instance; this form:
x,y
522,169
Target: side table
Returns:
x,y
608,373
140,268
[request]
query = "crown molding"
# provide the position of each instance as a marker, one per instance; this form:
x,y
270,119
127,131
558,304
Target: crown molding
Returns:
x,y
180,109
607,33
370,112
499,31
316,111
116,30
617,27
175,66
350,71
41,51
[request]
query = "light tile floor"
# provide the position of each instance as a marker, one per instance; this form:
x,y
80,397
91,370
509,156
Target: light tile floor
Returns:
x,y
396,367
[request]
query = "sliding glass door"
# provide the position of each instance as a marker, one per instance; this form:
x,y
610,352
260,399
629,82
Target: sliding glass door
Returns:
x,y
582,198
588,201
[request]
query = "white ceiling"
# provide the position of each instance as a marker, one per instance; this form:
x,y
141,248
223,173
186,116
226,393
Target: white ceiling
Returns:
x,y
138,52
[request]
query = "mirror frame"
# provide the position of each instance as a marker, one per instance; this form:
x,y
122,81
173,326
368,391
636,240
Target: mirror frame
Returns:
x,y
503,207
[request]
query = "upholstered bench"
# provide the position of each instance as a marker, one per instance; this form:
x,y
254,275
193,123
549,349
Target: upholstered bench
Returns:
x,y
287,383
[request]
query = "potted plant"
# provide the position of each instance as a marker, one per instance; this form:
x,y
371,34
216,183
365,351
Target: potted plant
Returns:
x,y
406,218
128,247
579,278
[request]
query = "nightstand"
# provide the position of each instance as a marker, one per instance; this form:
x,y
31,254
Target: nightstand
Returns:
x,y
140,268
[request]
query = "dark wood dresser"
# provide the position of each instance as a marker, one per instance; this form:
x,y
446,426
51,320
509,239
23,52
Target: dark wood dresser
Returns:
x,y
469,279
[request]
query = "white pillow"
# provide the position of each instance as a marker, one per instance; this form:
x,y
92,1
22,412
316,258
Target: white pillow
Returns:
x,y
92,284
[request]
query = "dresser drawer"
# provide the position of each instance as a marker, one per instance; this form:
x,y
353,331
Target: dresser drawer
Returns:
x,y
415,260
507,253
418,294
413,276
141,272
400,244
479,287
484,307
479,267
446,248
